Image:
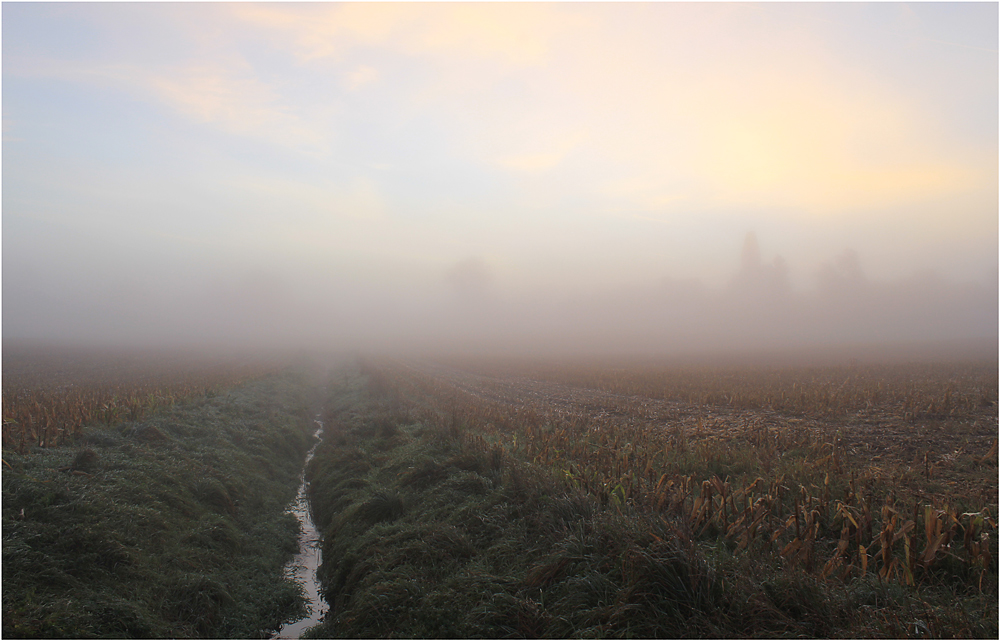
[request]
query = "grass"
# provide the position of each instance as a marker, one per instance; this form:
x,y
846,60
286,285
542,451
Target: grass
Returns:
x,y
446,515
175,526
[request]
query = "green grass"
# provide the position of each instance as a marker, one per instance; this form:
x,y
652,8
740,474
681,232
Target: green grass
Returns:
x,y
427,533
171,527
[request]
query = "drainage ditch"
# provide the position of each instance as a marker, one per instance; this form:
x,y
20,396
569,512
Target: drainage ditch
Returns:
x,y
303,567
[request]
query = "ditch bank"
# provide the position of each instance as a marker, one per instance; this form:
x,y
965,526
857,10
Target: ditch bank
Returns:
x,y
176,526
428,536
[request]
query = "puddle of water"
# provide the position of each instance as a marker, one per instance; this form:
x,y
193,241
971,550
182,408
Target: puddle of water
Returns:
x,y
303,567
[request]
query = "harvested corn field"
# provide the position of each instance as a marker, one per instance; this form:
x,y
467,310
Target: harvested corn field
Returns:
x,y
49,395
840,518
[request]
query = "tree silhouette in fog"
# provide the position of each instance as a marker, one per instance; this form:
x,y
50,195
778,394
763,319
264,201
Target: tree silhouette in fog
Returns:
x,y
842,278
756,280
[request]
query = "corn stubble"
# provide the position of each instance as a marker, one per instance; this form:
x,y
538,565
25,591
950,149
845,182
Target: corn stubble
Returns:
x,y
48,402
784,466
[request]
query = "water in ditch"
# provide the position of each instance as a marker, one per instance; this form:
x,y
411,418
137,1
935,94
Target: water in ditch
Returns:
x,y
303,567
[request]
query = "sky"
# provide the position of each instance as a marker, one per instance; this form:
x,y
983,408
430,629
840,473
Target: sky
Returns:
x,y
623,176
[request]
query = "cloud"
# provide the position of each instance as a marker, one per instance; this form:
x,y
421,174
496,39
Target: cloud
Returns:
x,y
531,162
237,101
360,77
515,34
799,136
825,146
702,114
548,152
223,92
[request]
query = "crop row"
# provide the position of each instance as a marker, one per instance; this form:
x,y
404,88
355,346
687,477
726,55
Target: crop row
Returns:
x,y
906,390
759,487
42,415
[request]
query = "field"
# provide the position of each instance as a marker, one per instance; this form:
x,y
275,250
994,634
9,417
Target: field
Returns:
x,y
167,523
589,500
501,498
929,427
49,395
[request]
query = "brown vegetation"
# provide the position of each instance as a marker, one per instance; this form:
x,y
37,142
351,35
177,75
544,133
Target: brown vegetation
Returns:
x,y
49,396
843,472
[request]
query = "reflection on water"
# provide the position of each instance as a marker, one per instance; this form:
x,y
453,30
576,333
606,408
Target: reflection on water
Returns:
x,y
303,566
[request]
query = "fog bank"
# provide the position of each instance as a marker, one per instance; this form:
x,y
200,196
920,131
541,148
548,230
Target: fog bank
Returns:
x,y
467,307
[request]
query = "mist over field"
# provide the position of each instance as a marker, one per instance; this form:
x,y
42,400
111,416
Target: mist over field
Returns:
x,y
524,179
466,308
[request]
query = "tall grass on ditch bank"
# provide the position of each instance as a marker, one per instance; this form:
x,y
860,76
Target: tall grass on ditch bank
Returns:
x,y
174,526
435,525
